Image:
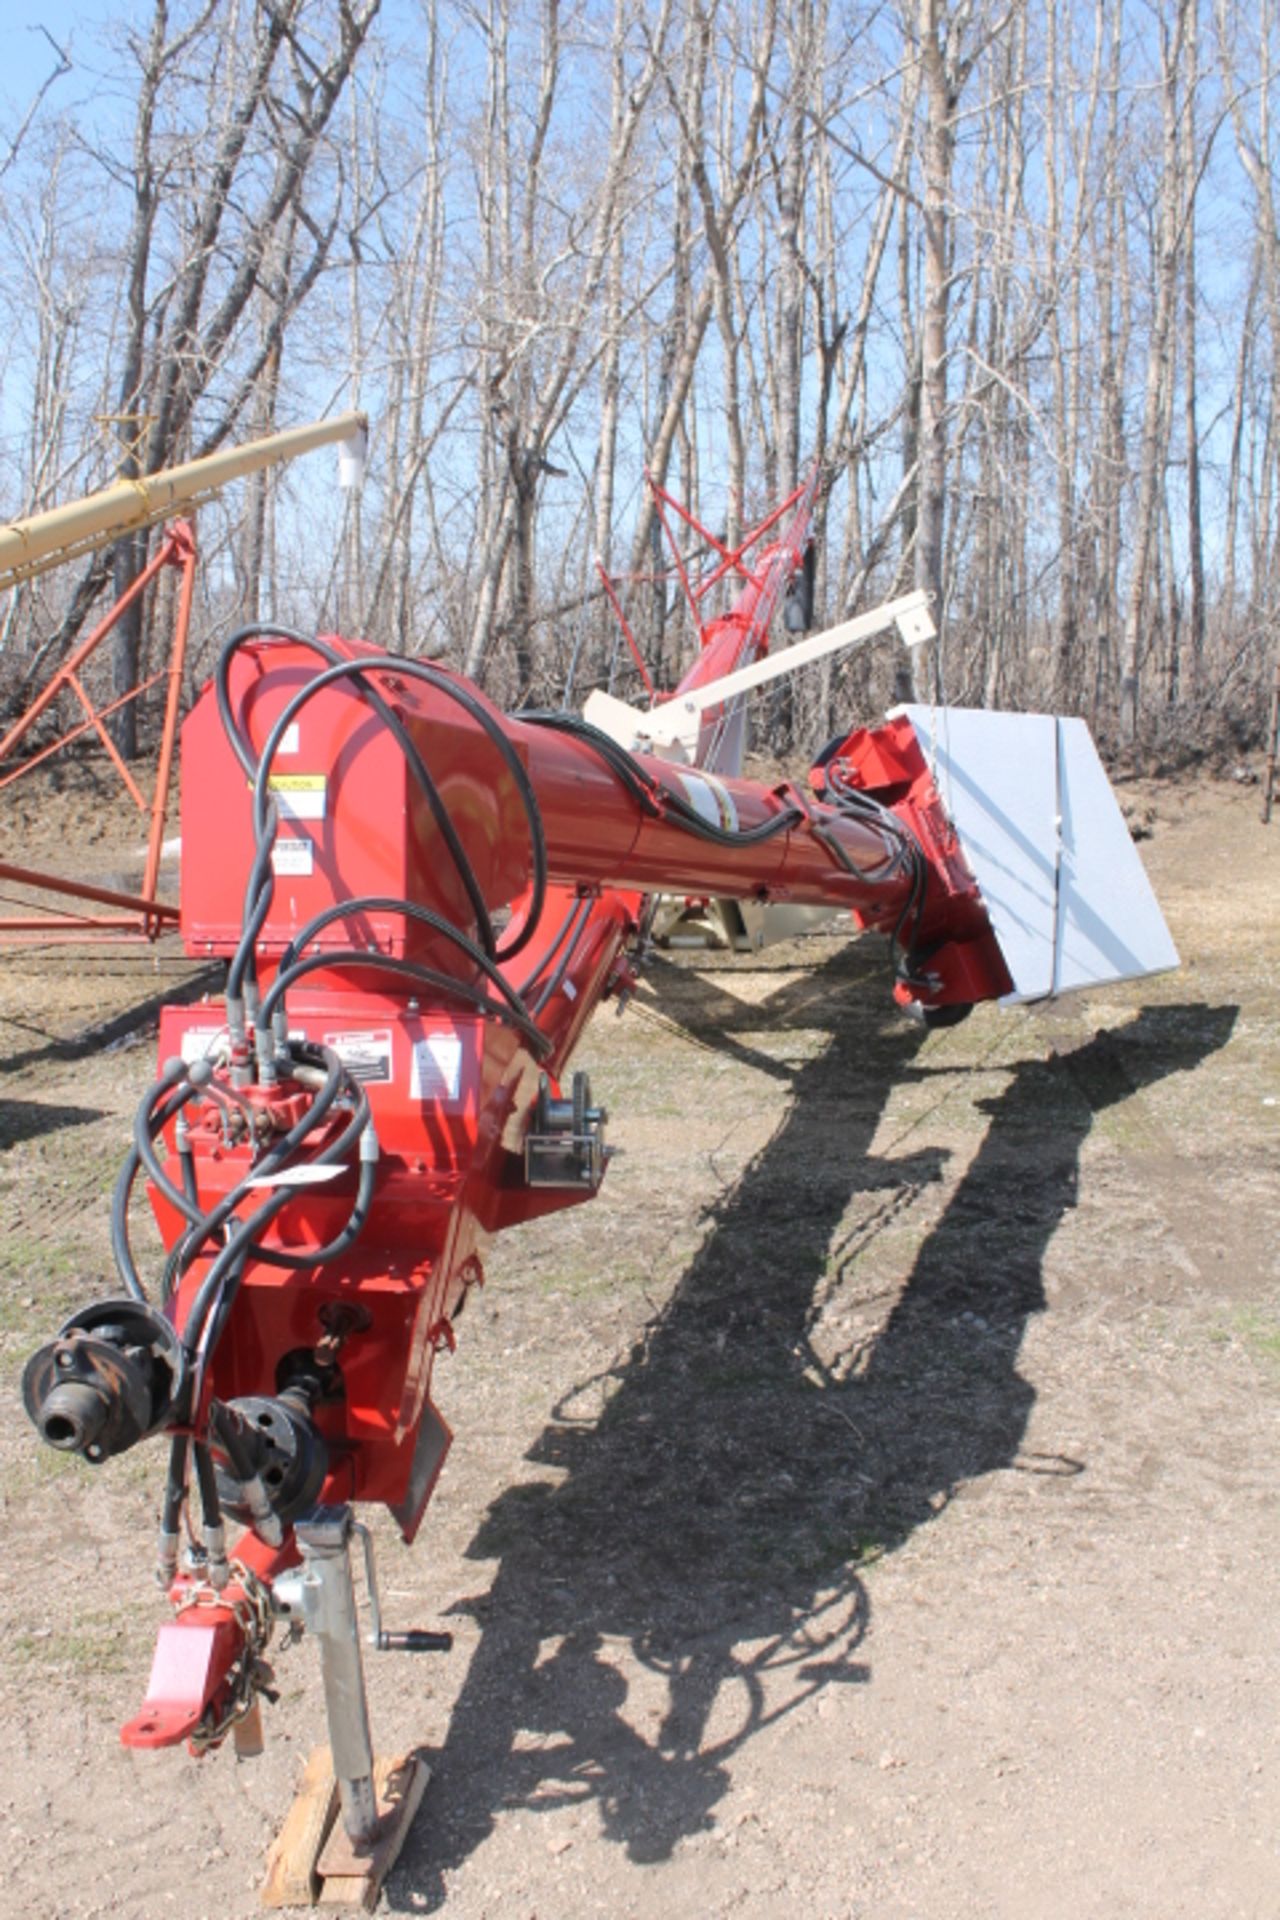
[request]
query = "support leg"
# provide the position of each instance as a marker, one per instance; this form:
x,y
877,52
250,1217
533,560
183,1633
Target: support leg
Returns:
x,y
329,1606
341,1861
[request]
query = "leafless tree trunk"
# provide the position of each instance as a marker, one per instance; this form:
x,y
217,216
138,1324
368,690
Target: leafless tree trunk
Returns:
x,y
176,339
1167,237
569,239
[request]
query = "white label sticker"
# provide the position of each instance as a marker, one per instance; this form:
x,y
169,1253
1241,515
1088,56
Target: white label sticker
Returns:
x,y
293,856
366,1056
199,1043
289,739
304,1176
437,1067
300,796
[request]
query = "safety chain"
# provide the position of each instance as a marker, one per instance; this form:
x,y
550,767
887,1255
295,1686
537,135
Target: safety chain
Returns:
x,y
249,1674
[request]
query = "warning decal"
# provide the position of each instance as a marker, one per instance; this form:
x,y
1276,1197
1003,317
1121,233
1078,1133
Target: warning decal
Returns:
x,y
436,1073
366,1056
301,796
292,856
199,1043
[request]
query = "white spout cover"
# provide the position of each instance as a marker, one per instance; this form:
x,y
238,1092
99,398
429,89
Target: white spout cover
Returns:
x,y
352,454
1040,827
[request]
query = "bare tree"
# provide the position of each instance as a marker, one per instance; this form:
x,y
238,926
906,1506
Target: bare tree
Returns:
x,y
231,187
1169,218
953,249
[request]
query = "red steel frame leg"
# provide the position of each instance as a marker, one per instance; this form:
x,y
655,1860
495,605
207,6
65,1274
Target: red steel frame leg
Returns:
x,y
177,550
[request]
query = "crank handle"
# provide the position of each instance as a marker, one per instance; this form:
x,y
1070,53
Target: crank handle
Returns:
x,y
408,1639
413,1640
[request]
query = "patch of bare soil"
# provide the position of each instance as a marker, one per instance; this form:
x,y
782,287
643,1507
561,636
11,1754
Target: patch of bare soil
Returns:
x,y
865,1508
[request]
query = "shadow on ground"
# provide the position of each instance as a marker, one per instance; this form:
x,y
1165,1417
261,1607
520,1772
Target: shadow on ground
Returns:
x,y
50,1047
715,1515
28,1119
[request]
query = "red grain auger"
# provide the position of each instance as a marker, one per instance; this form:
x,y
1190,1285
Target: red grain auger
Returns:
x,y
421,901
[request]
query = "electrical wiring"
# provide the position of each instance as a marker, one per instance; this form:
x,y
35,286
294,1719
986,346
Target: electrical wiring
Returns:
x,y
555,979
657,799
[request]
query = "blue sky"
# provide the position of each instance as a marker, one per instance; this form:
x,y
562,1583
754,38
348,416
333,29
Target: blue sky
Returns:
x,y
27,56
27,59
96,96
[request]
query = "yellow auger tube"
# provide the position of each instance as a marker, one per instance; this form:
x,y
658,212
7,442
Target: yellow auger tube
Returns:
x,y
27,547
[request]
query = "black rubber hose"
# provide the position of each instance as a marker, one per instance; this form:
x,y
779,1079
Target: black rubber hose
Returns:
x,y
566,960
619,762
692,822
854,801
210,1505
258,895
659,800
215,1324
256,630
175,1487
531,980
187,1162
228,1262
121,1251
275,1157
145,1126
843,858
389,717
341,1242
357,670
386,903
913,911
538,1042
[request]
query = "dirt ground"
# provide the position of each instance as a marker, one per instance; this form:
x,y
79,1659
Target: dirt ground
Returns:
x,y
865,1509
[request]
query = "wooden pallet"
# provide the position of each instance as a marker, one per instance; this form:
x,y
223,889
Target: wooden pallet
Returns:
x,y
313,1863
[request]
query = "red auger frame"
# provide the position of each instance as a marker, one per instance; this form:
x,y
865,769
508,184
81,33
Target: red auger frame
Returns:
x,y
421,901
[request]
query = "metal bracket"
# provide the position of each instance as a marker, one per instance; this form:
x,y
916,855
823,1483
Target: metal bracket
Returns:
x,y
671,728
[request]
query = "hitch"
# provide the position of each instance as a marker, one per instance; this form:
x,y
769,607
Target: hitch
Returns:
x,y
209,1666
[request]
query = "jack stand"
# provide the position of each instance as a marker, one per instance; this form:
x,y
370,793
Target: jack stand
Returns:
x,y
349,1821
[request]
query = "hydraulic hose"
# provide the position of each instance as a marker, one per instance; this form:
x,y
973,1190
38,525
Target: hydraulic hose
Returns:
x,y
227,1264
391,720
175,1072
536,1040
